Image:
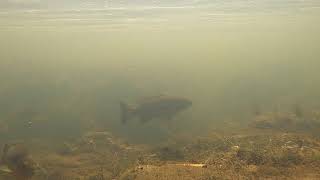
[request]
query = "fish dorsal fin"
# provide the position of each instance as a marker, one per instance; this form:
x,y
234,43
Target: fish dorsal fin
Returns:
x,y
151,98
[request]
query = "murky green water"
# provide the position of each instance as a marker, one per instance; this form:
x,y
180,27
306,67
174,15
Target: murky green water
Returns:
x,y
67,70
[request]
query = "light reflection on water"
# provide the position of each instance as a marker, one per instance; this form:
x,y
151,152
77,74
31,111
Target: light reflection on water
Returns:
x,y
217,11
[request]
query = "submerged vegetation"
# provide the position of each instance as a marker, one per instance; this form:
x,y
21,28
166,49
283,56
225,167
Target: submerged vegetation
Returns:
x,y
264,148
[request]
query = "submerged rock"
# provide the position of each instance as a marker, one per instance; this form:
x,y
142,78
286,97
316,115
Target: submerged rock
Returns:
x,y
288,122
275,121
18,160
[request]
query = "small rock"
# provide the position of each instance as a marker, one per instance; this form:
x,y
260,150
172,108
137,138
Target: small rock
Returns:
x,y
252,168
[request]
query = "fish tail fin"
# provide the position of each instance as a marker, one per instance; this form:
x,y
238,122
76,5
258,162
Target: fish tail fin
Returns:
x,y
124,110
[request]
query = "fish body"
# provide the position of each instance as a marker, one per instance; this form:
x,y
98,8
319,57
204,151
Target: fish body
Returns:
x,y
154,107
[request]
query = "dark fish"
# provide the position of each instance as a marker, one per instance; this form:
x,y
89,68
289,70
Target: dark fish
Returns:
x,y
154,107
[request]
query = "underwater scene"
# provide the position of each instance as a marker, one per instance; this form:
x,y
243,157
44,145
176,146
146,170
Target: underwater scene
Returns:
x,y
160,89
